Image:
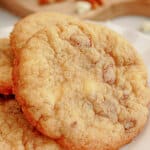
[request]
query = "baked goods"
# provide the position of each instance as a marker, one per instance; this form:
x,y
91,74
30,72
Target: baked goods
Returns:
x,y
89,86
6,62
43,2
94,3
16,133
28,26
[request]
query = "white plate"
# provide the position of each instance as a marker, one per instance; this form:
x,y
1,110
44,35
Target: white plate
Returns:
x,y
142,44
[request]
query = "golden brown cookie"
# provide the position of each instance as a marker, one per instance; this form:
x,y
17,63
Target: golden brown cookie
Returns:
x,y
6,62
83,85
17,134
28,26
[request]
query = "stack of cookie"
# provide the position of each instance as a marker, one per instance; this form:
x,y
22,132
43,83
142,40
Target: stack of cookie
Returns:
x,y
77,86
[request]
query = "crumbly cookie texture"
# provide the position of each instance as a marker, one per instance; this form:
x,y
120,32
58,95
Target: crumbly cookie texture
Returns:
x,y
28,26
16,133
6,62
83,85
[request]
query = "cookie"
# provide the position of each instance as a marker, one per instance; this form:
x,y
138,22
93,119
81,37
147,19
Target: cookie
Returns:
x,y
17,134
82,85
29,25
6,62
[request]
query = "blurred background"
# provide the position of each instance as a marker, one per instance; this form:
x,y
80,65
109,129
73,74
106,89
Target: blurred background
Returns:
x,y
134,14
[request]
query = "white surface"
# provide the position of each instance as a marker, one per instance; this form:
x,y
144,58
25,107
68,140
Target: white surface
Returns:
x,y
141,43
133,22
6,18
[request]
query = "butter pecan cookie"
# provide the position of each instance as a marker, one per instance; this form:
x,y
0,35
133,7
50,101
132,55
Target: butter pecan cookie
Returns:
x,y
17,134
26,27
6,62
82,85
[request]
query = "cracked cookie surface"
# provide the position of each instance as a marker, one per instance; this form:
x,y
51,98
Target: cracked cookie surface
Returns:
x,y
89,86
28,26
16,133
6,63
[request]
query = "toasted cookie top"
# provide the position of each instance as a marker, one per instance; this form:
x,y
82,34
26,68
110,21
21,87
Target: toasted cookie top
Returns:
x,y
6,62
82,85
17,134
28,26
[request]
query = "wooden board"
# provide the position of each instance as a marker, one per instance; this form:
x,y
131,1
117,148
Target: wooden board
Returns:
x,y
111,8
